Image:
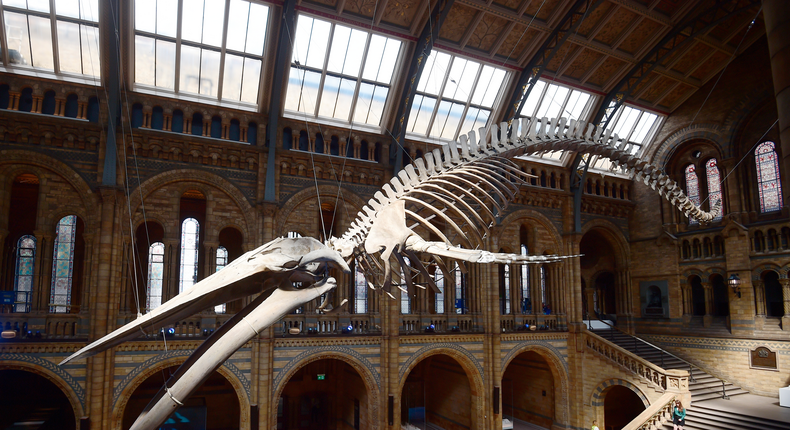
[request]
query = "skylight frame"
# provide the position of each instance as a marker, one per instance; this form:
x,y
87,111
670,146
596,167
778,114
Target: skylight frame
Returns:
x,y
56,72
222,49
440,97
300,67
602,164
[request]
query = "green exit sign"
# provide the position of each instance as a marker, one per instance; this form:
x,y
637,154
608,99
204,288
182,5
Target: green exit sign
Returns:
x,y
321,376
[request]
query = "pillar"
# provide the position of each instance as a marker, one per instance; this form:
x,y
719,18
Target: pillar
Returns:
x,y
786,298
687,303
708,318
777,28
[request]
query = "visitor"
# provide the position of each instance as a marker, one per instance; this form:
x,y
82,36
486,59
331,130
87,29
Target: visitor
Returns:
x,y
678,416
594,425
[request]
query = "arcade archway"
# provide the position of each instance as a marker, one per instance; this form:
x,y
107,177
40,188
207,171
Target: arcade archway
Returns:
x,y
528,392
29,399
437,393
621,405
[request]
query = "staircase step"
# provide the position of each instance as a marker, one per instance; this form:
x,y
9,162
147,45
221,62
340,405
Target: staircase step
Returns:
x,y
738,421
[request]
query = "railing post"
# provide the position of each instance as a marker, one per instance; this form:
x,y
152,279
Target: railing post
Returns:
x,y
691,374
724,393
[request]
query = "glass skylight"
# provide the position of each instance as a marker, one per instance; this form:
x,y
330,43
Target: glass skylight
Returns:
x,y
340,72
195,61
637,126
454,95
552,100
70,47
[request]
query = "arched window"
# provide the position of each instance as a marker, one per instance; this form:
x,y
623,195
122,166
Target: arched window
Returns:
x,y
768,181
526,301
23,276
360,291
460,290
505,286
63,265
405,299
222,261
692,187
714,187
156,268
543,297
438,279
190,229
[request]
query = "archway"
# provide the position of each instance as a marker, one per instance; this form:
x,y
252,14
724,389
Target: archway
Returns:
x,y
528,391
31,398
774,301
697,296
324,394
602,255
437,392
213,406
621,405
721,300
607,296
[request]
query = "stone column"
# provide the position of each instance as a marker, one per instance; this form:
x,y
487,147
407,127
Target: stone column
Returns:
x,y
687,304
786,298
708,318
777,28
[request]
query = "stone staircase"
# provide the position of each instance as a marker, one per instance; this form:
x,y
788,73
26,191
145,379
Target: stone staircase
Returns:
x,y
704,387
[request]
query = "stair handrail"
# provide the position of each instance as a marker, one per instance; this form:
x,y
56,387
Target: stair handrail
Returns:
x,y
654,417
690,364
663,378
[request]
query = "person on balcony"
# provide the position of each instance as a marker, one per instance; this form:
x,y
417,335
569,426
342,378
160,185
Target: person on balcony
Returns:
x,y
594,425
678,416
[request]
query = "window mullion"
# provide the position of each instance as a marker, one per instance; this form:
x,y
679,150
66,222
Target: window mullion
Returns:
x,y
3,39
177,78
327,52
222,53
53,23
633,127
469,103
355,98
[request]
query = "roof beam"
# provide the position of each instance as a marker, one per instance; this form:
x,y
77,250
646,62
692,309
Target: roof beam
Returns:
x,y
699,24
535,68
421,52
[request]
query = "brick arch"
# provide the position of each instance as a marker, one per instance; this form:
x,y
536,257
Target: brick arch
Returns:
x,y
53,373
598,394
559,371
684,277
471,366
757,272
615,236
195,176
37,163
365,369
532,217
124,390
306,194
139,221
710,132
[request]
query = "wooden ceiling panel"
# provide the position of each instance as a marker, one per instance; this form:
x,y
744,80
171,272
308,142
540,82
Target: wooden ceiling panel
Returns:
x,y
542,10
643,83
691,57
609,68
561,57
619,23
715,61
487,32
457,22
513,5
641,34
723,30
401,12
671,58
657,89
676,95
593,18
584,61
669,7
364,8
515,39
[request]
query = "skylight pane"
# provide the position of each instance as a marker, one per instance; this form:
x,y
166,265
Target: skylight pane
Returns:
x,y
329,96
256,32
166,18
308,100
377,105
461,79
475,119
453,119
238,19
492,87
89,10
441,118
144,20
626,121
364,99
356,47
70,8
144,60
643,127
431,83
389,61
190,69
319,38
302,43
534,97
165,64
213,22
69,47
344,98
209,73
37,5
251,82
294,88
373,60
192,16
425,107
41,42
337,53
231,81
90,50
576,104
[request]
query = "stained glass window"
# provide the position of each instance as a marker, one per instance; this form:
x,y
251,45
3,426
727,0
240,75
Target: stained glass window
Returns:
x,y
222,261
69,47
438,279
526,302
63,265
405,299
156,268
714,187
216,54
360,291
460,290
768,181
23,281
692,187
340,72
506,286
454,95
190,230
